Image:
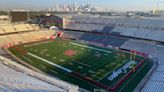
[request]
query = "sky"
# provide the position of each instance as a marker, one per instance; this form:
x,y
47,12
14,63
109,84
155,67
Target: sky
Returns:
x,y
122,5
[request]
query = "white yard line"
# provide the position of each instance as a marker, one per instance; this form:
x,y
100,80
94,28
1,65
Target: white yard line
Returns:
x,y
90,47
27,59
34,44
43,66
49,62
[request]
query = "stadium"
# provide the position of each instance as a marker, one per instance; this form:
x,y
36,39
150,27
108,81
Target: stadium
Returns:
x,y
86,53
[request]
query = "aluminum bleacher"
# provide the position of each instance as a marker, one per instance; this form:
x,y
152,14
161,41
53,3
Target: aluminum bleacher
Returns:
x,y
24,37
144,34
139,46
46,34
36,35
21,79
104,39
17,78
156,80
8,29
20,33
17,81
20,28
148,48
153,86
12,80
34,27
72,34
12,28
29,27
155,83
1,31
144,28
16,38
4,40
97,38
27,37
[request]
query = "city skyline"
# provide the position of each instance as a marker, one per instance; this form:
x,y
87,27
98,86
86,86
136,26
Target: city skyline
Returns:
x,y
122,5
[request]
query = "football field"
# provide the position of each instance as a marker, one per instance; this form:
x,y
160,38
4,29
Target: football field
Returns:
x,y
88,66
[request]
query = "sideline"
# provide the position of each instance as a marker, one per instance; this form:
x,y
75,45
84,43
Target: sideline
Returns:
x,y
56,65
90,47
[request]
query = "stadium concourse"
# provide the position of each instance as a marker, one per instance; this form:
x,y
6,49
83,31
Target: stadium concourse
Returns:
x,y
17,78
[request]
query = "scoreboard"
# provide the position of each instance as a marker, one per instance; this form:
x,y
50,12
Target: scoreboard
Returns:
x,y
19,16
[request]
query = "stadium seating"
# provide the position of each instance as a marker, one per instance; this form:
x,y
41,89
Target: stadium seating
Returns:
x,y
101,39
15,81
20,28
36,35
155,83
72,34
106,40
24,37
34,27
29,27
145,47
27,37
51,32
107,29
4,29
153,86
4,40
8,29
29,33
23,79
138,46
157,76
144,28
16,38
144,34
43,33
1,31
47,33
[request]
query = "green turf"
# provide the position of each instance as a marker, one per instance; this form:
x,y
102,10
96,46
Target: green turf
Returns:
x,y
97,65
